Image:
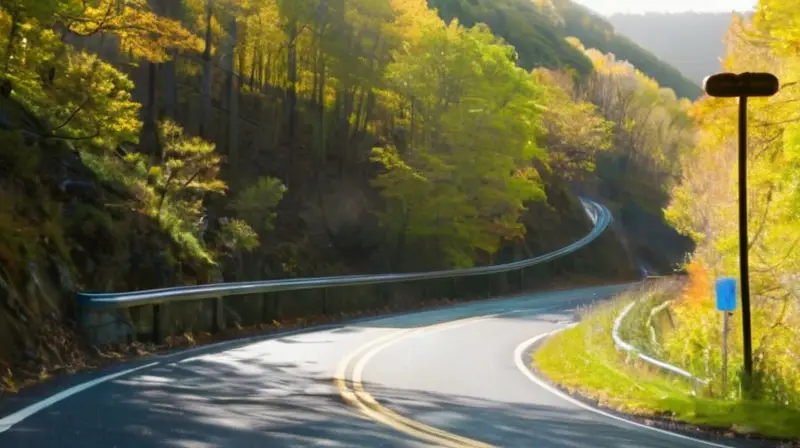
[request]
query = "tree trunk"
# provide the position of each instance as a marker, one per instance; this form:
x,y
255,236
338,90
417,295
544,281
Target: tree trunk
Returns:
x,y
12,36
169,79
291,100
233,109
237,34
149,142
400,249
323,144
169,89
253,66
205,103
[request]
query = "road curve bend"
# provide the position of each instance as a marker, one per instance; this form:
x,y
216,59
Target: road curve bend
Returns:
x,y
446,377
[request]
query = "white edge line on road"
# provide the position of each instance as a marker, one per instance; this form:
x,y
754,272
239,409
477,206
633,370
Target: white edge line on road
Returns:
x,y
7,422
14,418
519,354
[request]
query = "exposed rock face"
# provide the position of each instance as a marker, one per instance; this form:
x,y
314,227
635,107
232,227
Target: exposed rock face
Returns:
x,y
65,230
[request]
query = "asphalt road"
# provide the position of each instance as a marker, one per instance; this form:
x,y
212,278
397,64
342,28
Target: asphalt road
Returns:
x,y
461,378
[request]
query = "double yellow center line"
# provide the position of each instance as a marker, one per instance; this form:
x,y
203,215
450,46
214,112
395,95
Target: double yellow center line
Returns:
x,y
349,382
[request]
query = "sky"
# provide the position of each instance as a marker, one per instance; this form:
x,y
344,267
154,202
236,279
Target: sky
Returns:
x,y
608,7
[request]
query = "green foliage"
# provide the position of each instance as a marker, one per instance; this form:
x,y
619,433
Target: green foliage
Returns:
x,y
461,130
257,203
777,22
87,100
141,32
16,159
531,29
187,172
462,181
236,233
172,189
574,129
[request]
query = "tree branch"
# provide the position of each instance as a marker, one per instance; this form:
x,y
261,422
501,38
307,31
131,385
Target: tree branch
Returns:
x,y
164,193
763,220
194,176
71,138
99,25
72,115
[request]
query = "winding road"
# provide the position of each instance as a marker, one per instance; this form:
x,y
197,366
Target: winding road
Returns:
x,y
449,377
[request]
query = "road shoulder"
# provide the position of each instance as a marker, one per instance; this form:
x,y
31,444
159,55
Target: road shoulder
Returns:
x,y
574,365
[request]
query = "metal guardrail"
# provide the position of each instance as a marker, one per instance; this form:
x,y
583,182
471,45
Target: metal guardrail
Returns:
x,y
91,302
650,360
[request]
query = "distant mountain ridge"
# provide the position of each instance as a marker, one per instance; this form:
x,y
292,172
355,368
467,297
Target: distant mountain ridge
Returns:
x,y
690,41
538,30
535,33
595,31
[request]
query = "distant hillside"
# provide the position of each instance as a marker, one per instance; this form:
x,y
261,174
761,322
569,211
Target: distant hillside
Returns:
x,y
596,32
535,34
690,41
539,28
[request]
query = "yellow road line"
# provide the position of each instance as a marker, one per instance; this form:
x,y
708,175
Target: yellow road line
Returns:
x,y
440,437
370,407
340,377
359,398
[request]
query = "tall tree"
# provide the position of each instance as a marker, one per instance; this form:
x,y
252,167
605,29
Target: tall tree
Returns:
x,y
462,185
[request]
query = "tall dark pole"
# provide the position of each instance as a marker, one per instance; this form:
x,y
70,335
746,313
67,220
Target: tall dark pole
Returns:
x,y
744,243
742,86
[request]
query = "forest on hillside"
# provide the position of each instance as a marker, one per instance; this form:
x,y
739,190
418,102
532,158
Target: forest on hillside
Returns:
x,y
596,32
159,143
538,30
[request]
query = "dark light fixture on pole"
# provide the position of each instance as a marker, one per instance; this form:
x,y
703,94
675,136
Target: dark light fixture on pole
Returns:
x,y
742,86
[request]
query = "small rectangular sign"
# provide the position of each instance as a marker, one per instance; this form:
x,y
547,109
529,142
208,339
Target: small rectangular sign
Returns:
x,y
726,294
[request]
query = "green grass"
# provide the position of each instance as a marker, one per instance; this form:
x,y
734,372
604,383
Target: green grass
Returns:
x,y
584,360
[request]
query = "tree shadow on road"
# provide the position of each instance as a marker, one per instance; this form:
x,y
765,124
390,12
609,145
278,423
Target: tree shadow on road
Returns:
x,y
241,402
205,403
521,424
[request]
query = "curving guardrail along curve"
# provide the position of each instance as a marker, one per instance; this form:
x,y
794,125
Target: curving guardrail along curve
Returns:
x,y
94,302
625,346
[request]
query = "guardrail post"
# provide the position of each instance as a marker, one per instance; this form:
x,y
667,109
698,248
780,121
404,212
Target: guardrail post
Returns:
x,y
157,323
82,316
521,279
217,314
264,308
324,301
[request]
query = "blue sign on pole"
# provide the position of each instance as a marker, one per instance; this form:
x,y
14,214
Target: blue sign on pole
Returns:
x,y
726,294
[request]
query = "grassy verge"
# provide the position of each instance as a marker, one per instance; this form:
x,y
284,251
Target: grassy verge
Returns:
x,y
584,360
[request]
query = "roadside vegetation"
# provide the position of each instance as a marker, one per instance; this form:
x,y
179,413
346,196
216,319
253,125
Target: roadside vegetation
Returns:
x,y
150,144
584,361
704,206
687,332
